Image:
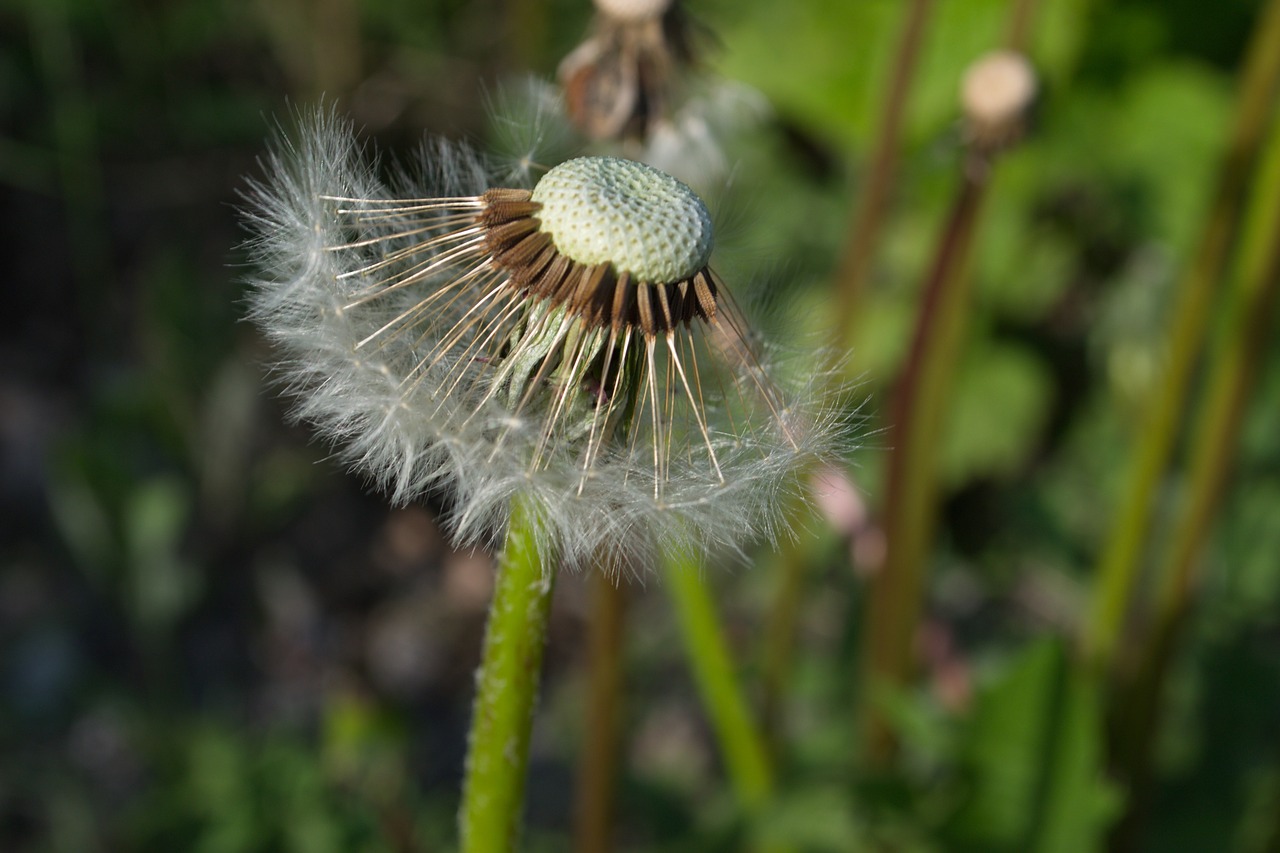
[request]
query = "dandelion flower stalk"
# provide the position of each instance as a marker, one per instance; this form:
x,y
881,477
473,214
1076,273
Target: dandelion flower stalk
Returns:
x,y
559,364
997,91
598,763
506,691
745,753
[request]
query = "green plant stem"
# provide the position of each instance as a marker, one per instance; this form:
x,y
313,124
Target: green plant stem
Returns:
x,y
1234,369
865,227
598,767
1217,435
896,594
741,744
506,692
74,136
1118,568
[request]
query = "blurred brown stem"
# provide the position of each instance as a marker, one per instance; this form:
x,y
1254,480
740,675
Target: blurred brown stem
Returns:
x,y
895,598
921,398
780,641
598,765
851,273
1018,32
865,227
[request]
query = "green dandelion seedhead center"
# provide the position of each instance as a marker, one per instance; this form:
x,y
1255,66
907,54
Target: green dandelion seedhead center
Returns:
x,y
644,222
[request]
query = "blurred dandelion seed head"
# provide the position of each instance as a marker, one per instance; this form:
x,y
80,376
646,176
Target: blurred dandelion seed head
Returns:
x,y
997,93
619,83
568,345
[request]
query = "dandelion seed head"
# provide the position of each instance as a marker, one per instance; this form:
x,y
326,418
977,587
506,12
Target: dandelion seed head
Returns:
x,y
609,210
455,337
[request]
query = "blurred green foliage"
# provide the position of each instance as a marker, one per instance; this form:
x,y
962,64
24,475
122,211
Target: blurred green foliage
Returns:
x,y
210,639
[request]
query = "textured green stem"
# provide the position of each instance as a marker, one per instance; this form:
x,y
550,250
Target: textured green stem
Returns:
x,y
1118,568
741,743
506,692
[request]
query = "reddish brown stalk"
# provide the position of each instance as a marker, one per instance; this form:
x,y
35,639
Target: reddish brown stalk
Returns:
x,y
882,168
780,641
896,595
1018,33
598,764
895,598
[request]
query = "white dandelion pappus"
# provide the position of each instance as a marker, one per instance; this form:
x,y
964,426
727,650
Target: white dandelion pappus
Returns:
x,y
566,346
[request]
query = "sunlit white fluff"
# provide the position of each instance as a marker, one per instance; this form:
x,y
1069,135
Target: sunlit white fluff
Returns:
x,y
376,365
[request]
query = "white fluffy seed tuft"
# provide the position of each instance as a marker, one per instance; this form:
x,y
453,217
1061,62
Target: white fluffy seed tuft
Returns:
x,y
367,313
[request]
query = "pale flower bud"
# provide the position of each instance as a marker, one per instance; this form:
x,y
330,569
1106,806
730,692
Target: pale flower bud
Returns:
x,y
997,93
633,10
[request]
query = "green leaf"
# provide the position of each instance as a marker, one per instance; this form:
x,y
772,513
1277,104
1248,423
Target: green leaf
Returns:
x,y
815,819
1035,754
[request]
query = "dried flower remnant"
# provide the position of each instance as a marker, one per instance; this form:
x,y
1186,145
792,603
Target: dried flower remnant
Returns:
x,y
568,345
618,82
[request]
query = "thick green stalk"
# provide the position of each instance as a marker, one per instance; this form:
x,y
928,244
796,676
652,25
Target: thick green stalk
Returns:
x,y
1118,568
1217,435
741,743
506,692
598,767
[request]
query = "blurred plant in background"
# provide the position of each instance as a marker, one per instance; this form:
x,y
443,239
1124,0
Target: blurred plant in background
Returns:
x,y
208,640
